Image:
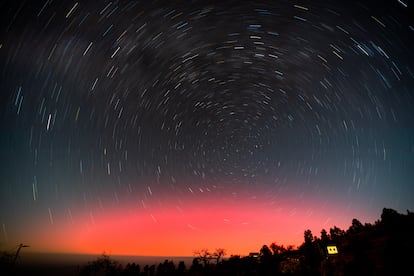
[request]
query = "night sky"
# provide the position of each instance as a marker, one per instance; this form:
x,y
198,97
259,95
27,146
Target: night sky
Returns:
x,y
164,127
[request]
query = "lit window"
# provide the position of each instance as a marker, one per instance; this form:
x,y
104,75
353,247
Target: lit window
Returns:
x,y
332,249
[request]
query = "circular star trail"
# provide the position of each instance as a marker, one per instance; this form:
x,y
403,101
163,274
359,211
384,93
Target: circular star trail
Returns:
x,y
304,110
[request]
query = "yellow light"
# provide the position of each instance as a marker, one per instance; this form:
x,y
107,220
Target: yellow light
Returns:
x,y
332,249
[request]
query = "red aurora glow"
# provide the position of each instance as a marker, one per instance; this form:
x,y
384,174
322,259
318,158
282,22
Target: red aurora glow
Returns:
x,y
173,231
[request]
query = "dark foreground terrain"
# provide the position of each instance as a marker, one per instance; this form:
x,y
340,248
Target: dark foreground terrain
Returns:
x,y
383,248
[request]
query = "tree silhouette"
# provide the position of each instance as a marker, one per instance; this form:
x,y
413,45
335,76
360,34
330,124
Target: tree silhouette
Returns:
x,y
151,270
102,265
218,254
132,269
277,249
265,253
336,233
312,256
181,268
308,237
166,268
324,236
203,255
196,268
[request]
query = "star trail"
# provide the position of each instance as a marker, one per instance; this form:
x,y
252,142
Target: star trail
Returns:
x,y
163,127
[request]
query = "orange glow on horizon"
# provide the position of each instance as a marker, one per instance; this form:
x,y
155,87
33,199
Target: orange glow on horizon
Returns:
x,y
238,228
